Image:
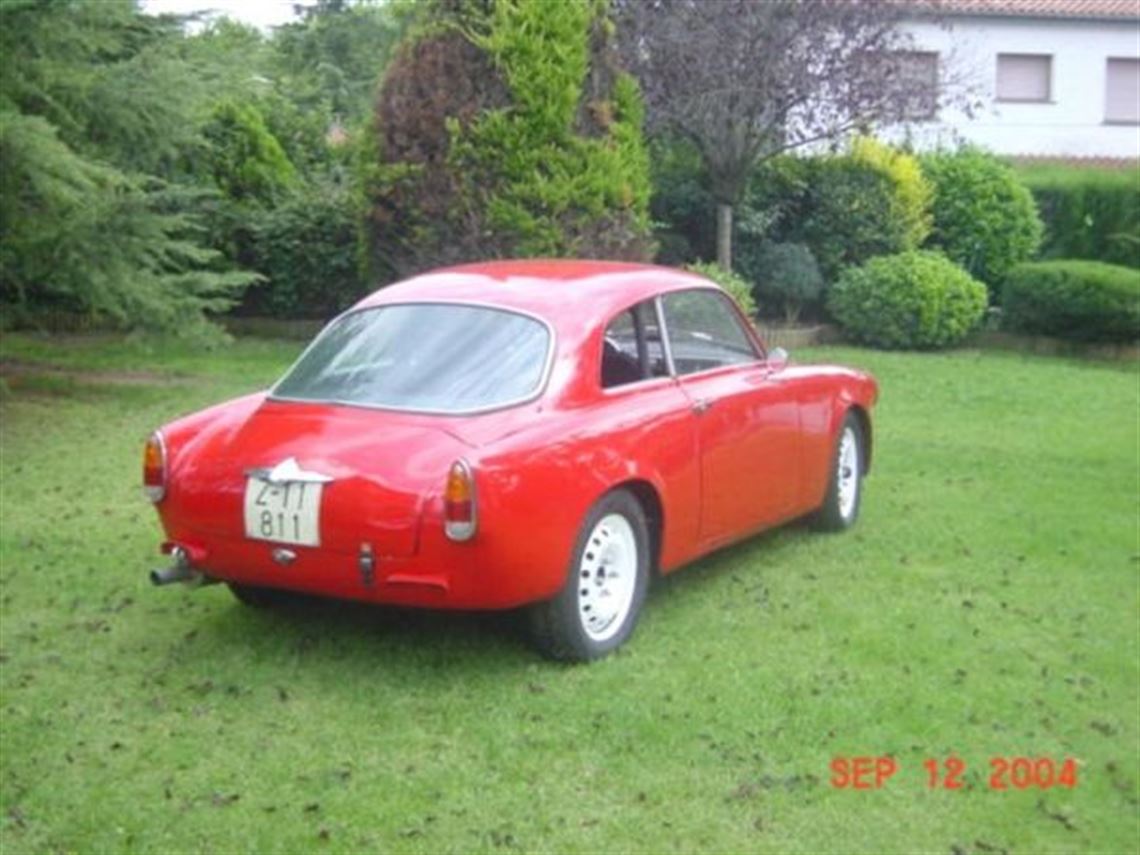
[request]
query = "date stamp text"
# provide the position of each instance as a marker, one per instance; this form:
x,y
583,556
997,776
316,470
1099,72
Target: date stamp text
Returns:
x,y
949,773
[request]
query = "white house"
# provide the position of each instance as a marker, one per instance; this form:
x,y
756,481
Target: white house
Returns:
x,y
1052,78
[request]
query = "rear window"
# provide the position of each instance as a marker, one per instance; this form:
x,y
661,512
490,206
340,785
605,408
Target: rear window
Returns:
x,y
433,357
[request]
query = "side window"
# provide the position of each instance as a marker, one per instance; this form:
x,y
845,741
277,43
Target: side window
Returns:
x,y
631,347
704,332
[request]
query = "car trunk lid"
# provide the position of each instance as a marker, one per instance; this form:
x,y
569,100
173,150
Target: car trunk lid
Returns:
x,y
372,472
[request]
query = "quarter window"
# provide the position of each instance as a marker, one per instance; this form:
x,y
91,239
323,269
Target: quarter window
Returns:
x,y
704,332
632,349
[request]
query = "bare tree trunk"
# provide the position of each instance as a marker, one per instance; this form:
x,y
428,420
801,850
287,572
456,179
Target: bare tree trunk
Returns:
x,y
724,235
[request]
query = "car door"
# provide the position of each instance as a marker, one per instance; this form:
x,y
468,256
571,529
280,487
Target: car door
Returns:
x,y
647,417
747,419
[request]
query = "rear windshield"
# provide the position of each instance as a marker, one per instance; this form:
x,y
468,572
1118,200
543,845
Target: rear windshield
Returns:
x,y
442,358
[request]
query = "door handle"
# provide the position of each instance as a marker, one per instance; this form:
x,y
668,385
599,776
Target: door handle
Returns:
x,y
702,405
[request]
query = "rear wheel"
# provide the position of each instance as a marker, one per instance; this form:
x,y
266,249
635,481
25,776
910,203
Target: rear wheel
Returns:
x,y
598,606
845,489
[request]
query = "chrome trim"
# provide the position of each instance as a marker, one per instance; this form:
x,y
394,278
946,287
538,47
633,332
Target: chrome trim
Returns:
x,y
366,563
283,556
642,385
288,471
666,344
540,387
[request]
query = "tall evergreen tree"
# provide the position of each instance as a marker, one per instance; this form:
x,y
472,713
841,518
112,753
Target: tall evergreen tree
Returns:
x,y
99,108
507,128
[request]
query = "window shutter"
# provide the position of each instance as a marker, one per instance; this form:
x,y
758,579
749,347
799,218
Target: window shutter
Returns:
x,y
1023,77
1122,91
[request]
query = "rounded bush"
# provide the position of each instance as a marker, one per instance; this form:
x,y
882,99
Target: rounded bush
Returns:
x,y
791,278
1080,300
984,217
912,300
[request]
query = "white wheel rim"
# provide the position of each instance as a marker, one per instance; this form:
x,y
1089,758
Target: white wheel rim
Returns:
x,y
607,576
848,474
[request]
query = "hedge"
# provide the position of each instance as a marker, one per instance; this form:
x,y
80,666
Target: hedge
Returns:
x,y
1088,213
306,248
1073,299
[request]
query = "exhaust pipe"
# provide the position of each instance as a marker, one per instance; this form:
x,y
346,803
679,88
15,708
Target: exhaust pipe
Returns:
x,y
169,575
180,572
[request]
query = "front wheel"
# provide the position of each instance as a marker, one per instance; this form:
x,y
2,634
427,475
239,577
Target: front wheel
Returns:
x,y
845,489
598,606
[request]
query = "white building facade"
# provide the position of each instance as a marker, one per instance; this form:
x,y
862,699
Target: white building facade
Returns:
x,y
1049,78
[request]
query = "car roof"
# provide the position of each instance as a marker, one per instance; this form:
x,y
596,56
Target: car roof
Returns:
x,y
561,291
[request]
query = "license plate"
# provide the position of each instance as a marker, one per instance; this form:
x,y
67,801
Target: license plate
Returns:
x,y
286,512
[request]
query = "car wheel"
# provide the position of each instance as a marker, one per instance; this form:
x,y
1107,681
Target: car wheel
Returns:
x,y
598,606
845,489
254,596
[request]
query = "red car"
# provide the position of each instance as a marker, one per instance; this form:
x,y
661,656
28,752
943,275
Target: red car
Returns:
x,y
546,434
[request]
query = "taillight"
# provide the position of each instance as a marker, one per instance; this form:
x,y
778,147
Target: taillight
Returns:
x,y
154,468
459,503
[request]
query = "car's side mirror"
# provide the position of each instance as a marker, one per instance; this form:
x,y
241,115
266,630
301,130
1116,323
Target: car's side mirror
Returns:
x,y
777,359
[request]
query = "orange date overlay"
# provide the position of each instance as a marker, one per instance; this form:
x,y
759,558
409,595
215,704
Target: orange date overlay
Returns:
x,y
1006,773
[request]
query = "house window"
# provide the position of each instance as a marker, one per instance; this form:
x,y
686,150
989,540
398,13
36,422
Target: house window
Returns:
x,y
916,73
1024,77
1122,92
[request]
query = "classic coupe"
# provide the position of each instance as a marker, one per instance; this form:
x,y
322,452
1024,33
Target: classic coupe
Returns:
x,y
538,434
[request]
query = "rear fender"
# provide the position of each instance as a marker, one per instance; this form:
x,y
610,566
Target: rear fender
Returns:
x,y
537,487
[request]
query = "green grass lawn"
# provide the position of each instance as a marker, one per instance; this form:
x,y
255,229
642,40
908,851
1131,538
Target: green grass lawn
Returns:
x,y
986,605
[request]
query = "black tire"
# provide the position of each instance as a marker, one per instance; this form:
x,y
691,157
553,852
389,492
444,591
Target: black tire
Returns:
x,y
836,514
254,596
564,628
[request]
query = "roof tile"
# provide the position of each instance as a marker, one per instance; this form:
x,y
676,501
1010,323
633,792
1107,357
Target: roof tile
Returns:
x,y
1098,9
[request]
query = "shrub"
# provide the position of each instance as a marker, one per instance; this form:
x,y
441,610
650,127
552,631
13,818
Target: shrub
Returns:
x,y
507,129
916,299
984,217
790,277
912,192
1088,213
1081,300
306,247
737,288
245,160
80,237
845,209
